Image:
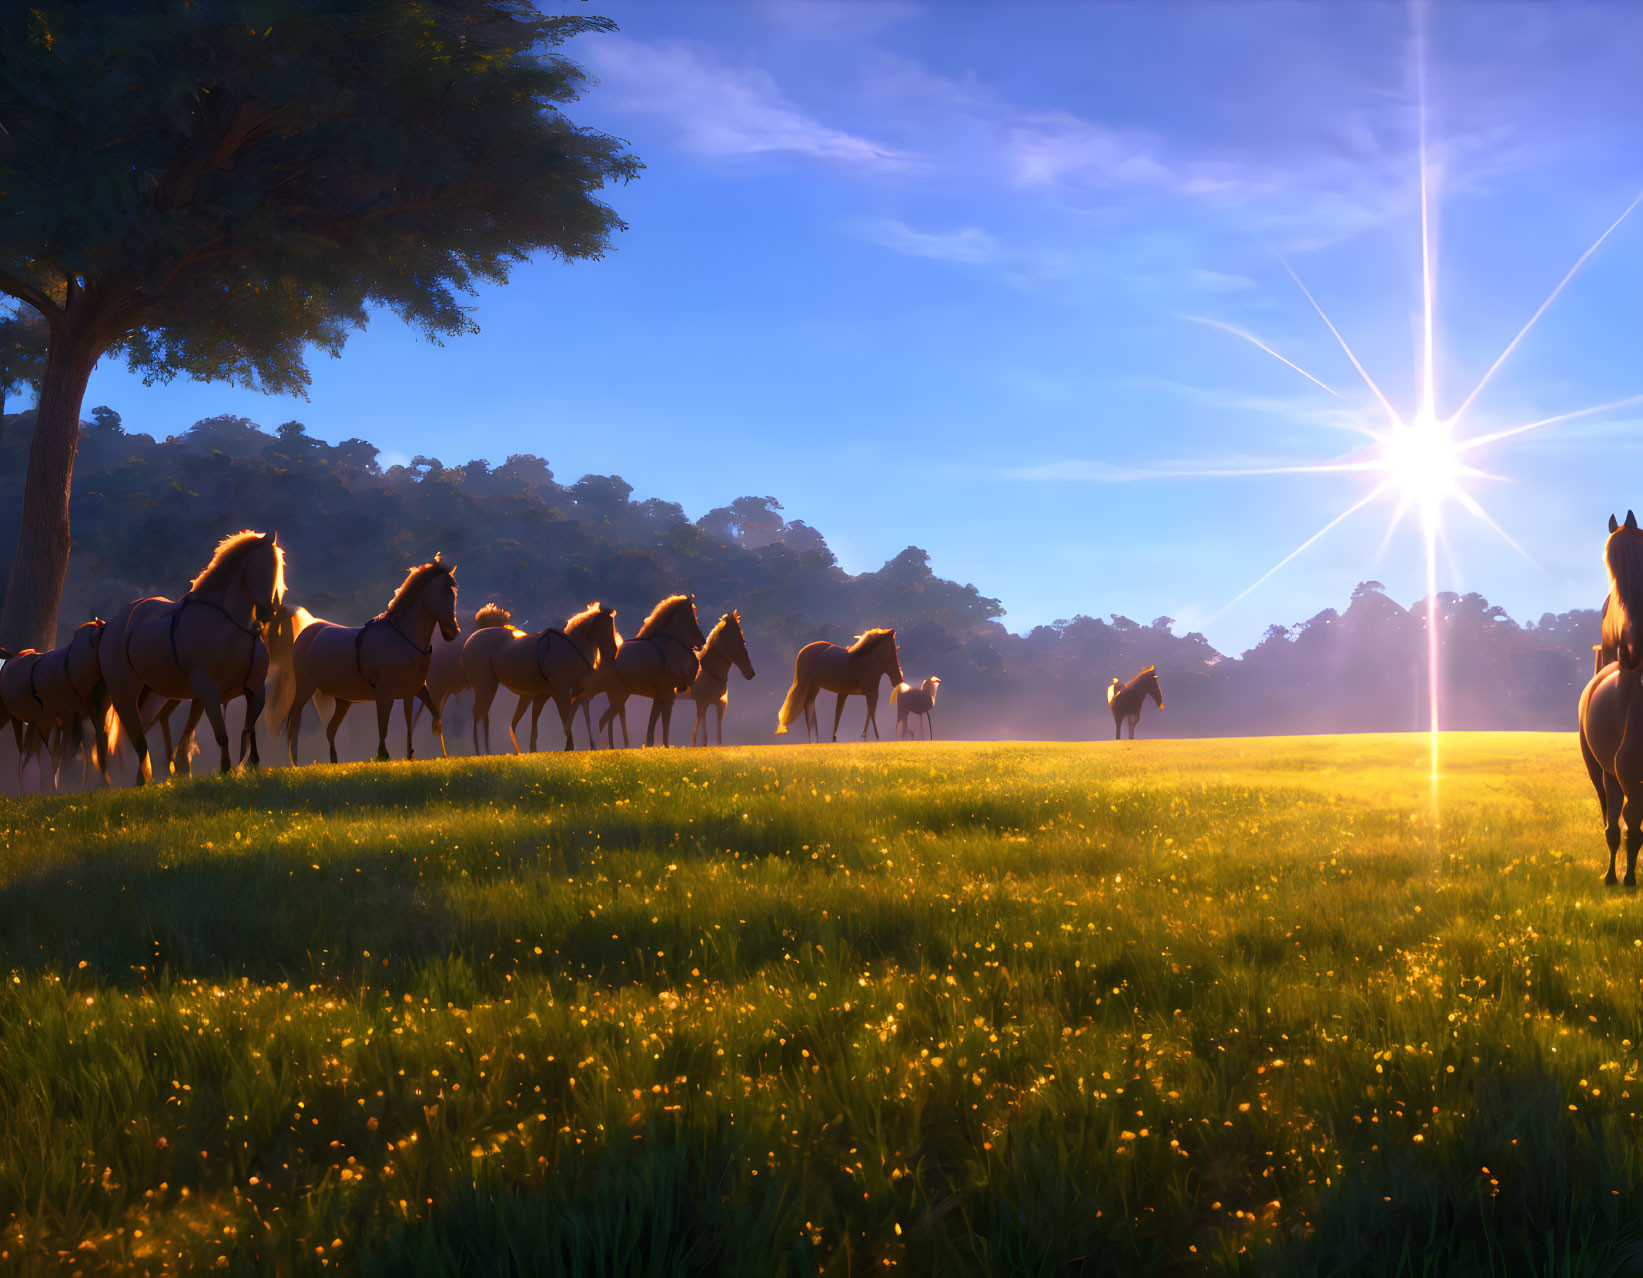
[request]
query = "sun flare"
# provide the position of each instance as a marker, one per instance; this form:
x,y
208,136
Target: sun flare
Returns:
x,y
1419,461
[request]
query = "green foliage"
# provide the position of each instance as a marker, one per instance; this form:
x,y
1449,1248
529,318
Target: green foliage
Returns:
x,y
1233,1008
23,337
226,184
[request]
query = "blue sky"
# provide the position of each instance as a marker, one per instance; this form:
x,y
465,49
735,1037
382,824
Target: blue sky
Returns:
x,y
934,274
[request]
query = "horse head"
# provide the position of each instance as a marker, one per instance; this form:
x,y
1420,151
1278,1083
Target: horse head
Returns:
x,y
439,598
264,578
693,635
892,660
1149,684
736,642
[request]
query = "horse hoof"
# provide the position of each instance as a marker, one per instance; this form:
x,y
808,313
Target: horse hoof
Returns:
x,y
382,756
1609,879
1631,880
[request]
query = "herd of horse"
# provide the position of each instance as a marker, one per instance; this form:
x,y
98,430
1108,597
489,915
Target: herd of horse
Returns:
x,y
232,636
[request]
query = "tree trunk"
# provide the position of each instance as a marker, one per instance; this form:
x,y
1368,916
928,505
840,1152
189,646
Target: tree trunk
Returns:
x,y
35,587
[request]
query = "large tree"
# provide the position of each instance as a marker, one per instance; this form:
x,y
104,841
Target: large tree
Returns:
x,y
210,188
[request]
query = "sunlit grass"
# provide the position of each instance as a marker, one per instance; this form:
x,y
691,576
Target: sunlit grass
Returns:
x,y
1170,1006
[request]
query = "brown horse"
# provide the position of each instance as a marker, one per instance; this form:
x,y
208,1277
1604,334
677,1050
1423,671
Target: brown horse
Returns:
x,y
1124,700
560,664
50,696
823,666
446,678
206,646
910,701
659,662
726,646
383,661
1611,712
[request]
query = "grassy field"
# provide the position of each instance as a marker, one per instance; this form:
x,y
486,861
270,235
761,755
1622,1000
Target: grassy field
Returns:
x,y
1163,1007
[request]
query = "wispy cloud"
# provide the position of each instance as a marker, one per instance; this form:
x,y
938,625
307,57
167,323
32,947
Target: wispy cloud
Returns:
x,y
720,110
968,244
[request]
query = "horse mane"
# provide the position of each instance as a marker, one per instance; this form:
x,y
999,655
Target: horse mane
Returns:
x,y
868,639
414,581
491,615
582,620
230,550
1624,557
660,613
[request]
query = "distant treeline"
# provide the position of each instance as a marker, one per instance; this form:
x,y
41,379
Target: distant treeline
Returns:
x,y
147,512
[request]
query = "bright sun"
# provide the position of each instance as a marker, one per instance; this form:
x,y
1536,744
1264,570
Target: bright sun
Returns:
x,y
1423,466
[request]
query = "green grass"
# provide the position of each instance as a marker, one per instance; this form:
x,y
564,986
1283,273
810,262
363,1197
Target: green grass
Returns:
x,y
1233,1007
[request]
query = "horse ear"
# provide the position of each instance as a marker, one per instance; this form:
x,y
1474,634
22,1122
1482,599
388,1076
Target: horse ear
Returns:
x,y
1614,524
1631,521
436,556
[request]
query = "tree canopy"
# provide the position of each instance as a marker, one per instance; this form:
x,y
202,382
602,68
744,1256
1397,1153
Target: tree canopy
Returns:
x,y
212,189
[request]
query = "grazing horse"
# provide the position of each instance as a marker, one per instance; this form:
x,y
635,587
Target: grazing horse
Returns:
x,y
383,661
50,696
206,646
726,646
823,666
1611,713
910,701
551,663
1125,700
659,662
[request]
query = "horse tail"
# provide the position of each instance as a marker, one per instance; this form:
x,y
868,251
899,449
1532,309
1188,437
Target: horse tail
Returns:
x,y
803,667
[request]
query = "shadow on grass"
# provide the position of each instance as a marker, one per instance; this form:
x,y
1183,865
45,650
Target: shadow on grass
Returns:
x,y
672,1203
1561,1195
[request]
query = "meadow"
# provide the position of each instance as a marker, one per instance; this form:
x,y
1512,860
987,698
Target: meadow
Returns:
x,y
1224,1007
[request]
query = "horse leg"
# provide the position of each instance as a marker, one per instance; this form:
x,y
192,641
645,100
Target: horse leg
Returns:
x,y
872,695
701,715
178,762
1134,719
930,724
667,721
519,709
536,715
208,695
17,730
385,711
1628,771
484,694
838,713
567,719
255,699
1608,801
293,720
337,716
439,725
721,711
410,714
655,714
587,721
131,722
